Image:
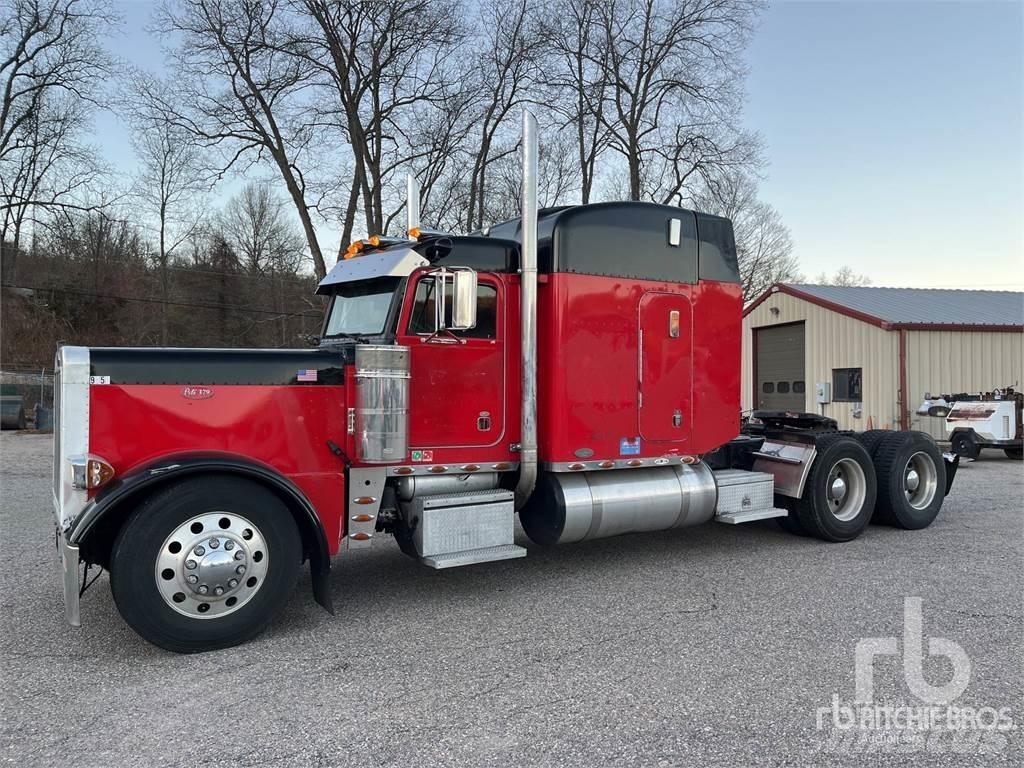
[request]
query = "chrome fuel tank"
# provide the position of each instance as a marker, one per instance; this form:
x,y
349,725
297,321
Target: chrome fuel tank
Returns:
x,y
576,506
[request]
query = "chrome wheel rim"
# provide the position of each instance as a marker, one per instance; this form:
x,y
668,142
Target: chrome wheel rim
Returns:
x,y
920,480
211,565
846,489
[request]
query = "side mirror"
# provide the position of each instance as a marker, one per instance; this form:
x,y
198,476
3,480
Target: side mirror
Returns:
x,y
464,300
462,296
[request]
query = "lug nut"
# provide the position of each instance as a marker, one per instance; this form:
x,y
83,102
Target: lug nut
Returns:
x,y
214,543
199,551
190,564
233,583
218,591
191,578
240,570
239,555
203,589
229,545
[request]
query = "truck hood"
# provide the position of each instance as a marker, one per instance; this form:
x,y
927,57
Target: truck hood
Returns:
x,y
161,365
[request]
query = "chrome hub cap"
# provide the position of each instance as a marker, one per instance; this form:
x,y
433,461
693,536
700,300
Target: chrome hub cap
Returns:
x,y
920,481
211,565
838,489
846,489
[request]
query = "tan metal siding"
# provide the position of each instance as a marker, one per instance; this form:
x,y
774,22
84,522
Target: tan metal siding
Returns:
x,y
959,361
832,340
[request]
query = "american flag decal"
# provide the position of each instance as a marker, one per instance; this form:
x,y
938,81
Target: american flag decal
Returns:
x,y
307,374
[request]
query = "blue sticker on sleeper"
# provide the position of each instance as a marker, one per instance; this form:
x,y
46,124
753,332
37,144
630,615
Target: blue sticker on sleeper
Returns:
x,y
628,447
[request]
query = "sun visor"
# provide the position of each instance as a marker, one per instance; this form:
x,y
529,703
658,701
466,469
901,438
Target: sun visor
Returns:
x,y
394,262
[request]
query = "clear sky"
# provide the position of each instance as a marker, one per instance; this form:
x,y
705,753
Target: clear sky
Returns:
x,y
893,133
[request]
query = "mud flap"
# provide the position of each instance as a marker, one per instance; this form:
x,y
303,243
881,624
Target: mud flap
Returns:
x,y
320,570
952,464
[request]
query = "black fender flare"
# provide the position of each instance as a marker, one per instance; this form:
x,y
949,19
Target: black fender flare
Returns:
x,y
120,493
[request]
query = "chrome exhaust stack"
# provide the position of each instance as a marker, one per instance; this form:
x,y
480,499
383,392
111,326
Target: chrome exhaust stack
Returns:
x,y
412,203
528,316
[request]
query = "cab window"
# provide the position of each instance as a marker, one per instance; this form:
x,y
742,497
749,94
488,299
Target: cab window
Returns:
x,y
421,319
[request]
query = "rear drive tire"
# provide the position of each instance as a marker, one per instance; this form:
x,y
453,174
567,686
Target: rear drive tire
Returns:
x,y
964,445
839,495
872,438
205,563
911,480
1014,453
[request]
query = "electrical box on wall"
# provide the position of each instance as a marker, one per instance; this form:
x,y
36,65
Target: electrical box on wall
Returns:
x,y
823,392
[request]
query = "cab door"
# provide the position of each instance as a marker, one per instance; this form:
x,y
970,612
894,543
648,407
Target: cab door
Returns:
x,y
456,391
665,396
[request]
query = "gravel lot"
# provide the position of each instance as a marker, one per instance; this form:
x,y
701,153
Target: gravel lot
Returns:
x,y
714,645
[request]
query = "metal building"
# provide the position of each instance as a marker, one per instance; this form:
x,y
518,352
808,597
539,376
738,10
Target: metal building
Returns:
x,y
866,356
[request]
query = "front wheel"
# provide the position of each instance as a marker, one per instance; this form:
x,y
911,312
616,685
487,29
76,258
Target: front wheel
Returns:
x,y
205,564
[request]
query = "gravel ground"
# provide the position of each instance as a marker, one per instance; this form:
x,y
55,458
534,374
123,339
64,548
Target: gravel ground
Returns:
x,y
714,646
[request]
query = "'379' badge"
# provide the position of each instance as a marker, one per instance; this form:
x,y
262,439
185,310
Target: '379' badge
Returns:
x,y
197,393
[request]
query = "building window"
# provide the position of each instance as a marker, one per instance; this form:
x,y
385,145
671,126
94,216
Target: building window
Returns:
x,y
783,388
798,387
846,385
768,388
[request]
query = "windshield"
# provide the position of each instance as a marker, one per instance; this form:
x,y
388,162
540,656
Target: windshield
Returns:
x,y
361,308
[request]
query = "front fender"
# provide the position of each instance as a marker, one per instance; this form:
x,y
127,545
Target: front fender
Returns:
x,y
116,498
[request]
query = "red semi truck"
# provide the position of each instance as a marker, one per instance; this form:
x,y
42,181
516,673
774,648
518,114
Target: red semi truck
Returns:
x,y
578,366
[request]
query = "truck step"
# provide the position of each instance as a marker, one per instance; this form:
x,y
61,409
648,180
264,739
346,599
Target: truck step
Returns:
x,y
471,556
747,516
465,528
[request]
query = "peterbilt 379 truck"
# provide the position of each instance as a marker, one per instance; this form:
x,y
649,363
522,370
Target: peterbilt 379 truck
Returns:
x,y
578,366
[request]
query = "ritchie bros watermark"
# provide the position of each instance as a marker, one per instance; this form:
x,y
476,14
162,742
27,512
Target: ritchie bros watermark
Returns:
x,y
936,720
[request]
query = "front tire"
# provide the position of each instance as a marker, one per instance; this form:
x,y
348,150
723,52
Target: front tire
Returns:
x,y
839,495
205,564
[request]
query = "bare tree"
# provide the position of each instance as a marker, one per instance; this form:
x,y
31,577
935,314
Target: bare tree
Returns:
x,y
170,183
48,47
844,276
509,38
52,69
764,246
673,70
255,226
576,82
388,66
240,87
